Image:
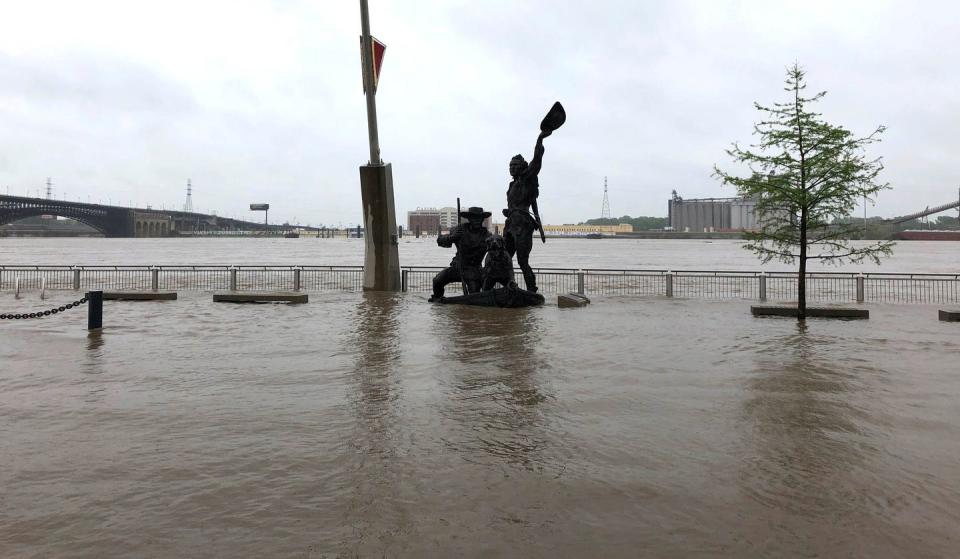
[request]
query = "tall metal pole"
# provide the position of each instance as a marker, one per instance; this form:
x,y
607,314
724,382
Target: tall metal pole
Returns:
x,y
367,50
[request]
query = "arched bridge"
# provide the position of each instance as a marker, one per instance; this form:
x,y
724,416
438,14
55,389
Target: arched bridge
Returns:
x,y
118,221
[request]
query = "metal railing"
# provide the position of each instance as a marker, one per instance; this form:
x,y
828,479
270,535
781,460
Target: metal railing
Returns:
x,y
705,284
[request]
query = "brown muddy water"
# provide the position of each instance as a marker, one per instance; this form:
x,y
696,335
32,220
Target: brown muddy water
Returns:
x,y
380,425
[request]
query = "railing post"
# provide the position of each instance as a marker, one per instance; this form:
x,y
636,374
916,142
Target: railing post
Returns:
x,y
76,278
668,277
860,288
154,278
233,278
580,282
296,278
43,288
763,286
403,280
16,287
94,310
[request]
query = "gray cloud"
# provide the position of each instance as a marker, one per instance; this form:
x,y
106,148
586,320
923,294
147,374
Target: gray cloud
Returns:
x,y
261,101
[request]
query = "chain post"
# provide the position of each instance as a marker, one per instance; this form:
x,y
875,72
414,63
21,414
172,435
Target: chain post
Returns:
x,y
94,310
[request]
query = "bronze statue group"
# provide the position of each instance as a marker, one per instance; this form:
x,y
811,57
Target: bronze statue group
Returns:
x,y
485,260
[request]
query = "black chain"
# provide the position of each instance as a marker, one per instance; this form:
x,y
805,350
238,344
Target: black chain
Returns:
x,y
42,314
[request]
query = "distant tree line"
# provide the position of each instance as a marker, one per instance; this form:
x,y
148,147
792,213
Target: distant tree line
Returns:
x,y
641,223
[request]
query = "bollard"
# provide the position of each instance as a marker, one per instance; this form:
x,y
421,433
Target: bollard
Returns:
x,y
154,278
399,231
860,288
580,282
43,288
94,310
763,286
76,278
233,279
403,280
669,280
296,278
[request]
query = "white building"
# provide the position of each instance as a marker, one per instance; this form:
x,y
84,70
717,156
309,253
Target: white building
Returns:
x,y
448,217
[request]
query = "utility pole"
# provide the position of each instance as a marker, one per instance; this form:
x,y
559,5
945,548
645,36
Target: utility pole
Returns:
x,y
605,210
188,204
370,87
381,261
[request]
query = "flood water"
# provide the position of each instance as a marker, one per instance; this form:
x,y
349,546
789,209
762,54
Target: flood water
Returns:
x,y
378,425
673,254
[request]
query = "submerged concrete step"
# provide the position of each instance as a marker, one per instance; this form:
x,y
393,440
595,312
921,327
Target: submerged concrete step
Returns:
x,y
950,315
259,297
572,300
819,312
139,295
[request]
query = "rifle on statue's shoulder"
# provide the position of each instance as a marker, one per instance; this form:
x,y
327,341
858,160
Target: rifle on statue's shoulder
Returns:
x,y
536,218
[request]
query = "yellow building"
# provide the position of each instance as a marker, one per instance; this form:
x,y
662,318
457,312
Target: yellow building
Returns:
x,y
578,230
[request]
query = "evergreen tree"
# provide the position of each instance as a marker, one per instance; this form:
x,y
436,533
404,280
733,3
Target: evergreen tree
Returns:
x,y
806,174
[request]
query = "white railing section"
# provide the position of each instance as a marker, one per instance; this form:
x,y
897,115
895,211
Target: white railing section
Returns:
x,y
706,284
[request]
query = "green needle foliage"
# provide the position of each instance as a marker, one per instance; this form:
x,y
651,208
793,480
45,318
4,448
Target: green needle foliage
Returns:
x,y
806,176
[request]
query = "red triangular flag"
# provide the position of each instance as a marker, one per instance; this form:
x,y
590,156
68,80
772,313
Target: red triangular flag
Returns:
x,y
378,50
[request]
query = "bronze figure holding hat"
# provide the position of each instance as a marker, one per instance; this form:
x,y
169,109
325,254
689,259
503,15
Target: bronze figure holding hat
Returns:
x,y
522,198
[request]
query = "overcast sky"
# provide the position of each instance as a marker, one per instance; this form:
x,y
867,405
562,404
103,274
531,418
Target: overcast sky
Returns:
x,y
261,101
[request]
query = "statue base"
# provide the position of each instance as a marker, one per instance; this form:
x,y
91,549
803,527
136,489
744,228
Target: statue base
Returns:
x,y
503,297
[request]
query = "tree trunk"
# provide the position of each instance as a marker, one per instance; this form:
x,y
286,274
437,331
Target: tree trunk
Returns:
x,y
802,275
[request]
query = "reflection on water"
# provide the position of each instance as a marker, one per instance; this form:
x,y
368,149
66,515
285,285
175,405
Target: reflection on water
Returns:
x,y
807,426
375,339
92,363
495,388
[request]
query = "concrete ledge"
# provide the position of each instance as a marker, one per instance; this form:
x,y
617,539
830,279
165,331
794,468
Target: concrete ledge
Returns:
x,y
950,315
139,295
819,312
259,297
572,300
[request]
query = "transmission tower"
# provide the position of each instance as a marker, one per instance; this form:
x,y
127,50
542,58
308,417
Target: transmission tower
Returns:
x,y
188,205
49,188
605,212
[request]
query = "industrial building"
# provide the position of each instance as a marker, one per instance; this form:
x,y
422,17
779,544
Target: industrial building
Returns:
x,y
424,219
431,219
697,215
